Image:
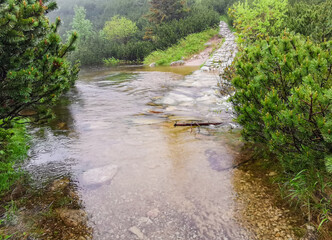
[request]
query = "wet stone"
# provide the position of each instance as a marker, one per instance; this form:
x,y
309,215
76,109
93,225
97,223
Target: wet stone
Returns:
x,y
137,232
72,217
99,176
59,185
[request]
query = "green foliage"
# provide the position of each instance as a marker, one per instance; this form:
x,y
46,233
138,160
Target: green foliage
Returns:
x,y
199,19
81,25
259,18
119,29
111,61
166,10
311,19
221,6
283,98
186,47
33,69
13,149
304,188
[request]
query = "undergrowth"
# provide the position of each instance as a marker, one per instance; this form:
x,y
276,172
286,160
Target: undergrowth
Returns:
x,y
13,149
187,47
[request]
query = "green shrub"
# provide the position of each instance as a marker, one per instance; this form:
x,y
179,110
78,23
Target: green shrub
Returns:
x,y
283,99
311,19
200,19
111,61
259,18
13,149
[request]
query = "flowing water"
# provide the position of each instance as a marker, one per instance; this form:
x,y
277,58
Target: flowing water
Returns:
x,y
114,135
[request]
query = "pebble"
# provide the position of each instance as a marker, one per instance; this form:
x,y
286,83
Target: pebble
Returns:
x,y
136,231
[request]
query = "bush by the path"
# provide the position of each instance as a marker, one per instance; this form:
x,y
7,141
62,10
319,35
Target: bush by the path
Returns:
x,y
283,98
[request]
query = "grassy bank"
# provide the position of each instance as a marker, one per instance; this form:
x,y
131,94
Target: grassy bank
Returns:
x,y
13,149
186,47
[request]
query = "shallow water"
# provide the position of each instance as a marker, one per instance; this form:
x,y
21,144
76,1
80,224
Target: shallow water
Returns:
x,y
114,135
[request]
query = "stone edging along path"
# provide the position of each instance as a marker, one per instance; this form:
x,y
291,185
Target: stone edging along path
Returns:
x,y
225,55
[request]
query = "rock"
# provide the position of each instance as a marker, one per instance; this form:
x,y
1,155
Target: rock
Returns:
x,y
208,44
153,213
153,64
271,174
135,230
72,217
100,175
144,221
177,63
205,69
62,125
59,185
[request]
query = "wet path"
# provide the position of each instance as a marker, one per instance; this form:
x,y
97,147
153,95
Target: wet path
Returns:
x,y
138,176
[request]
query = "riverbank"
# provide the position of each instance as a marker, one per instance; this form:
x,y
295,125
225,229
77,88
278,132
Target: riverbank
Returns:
x,y
193,50
53,211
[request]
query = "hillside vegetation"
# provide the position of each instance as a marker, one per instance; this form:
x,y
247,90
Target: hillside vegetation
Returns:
x,y
283,94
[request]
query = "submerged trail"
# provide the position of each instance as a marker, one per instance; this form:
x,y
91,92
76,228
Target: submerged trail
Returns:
x,y
137,175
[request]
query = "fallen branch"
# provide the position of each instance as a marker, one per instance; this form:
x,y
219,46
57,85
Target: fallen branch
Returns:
x,y
198,124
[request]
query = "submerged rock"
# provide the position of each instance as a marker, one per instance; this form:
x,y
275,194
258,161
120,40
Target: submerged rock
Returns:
x,y
72,217
59,185
98,176
205,69
177,63
153,64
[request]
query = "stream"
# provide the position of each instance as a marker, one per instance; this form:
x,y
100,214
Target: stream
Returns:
x,y
138,176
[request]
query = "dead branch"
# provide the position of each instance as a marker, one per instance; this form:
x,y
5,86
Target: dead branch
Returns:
x,y
198,124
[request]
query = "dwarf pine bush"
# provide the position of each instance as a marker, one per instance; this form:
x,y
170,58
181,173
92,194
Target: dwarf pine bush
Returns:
x,y
283,98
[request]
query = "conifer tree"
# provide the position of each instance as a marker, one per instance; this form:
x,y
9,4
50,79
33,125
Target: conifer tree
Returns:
x,y
33,67
166,10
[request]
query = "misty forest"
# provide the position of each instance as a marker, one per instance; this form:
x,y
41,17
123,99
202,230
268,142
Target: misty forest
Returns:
x,y
165,119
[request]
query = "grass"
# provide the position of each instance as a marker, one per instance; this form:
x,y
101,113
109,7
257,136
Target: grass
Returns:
x,y
13,149
188,46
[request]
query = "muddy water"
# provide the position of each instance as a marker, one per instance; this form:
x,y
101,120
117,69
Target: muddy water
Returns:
x,y
114,135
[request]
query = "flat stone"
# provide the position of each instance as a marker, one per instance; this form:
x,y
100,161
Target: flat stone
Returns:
x,y
178,63
72,217
136,231
100,175
59,185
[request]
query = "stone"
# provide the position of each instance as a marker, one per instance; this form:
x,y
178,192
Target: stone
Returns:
x,y
144,221
102,175
59,185
205,69
136,231
153,64
153,213
208,44
72,217
272,174
177,63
